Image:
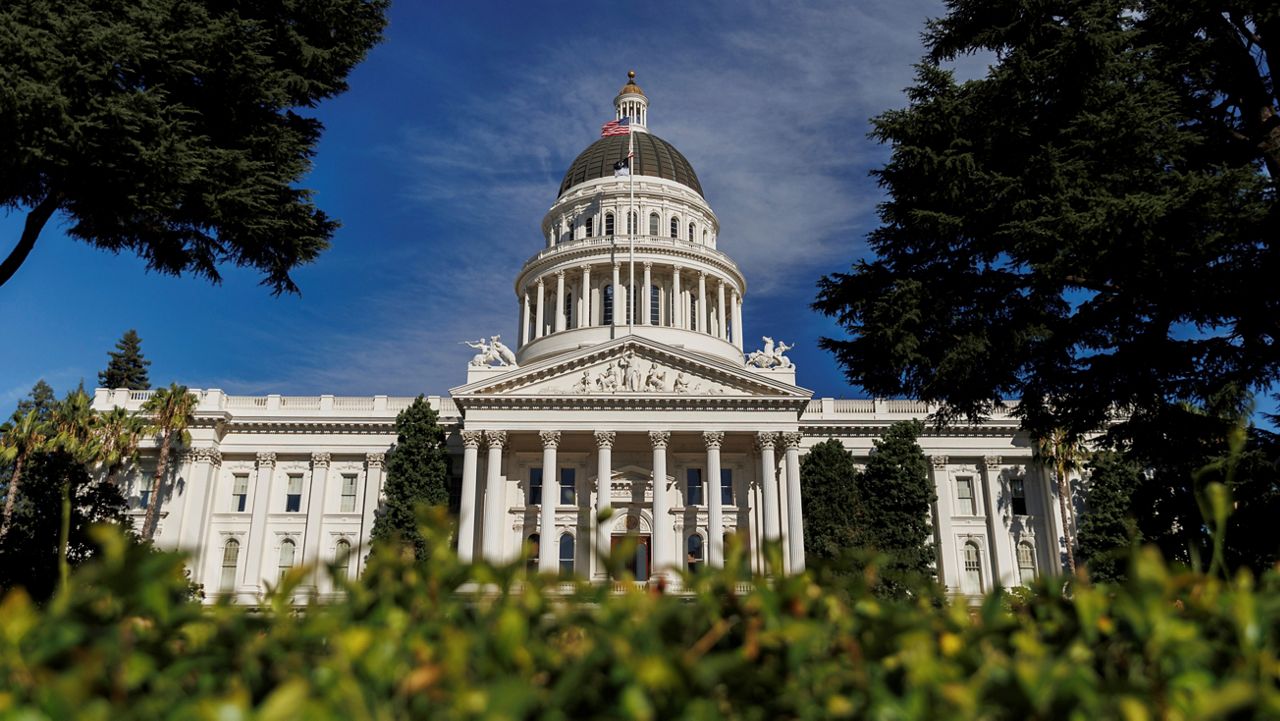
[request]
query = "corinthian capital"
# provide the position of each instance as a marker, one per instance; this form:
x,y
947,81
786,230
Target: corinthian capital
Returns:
x,y
713,439
604,439
496,439
550,439
471,439
659,439
266,459
320,460
765,439
791,440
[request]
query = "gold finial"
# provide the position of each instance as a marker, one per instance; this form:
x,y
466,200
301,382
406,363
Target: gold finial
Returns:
x,y
631,75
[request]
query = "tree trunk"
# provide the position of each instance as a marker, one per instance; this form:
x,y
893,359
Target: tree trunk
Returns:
x,y
1064,491
153,501
64,532
11,495
36,220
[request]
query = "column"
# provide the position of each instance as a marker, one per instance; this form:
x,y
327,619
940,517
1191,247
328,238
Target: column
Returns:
x,y
548,537
795,515
196,514
467,503
604,499
737,319
524,321
559,313
948,574
258,523
1053,522
720,324
1004,564
315,509
619,297
645,315
769,483
664,553
715,501
494,498
584,315
372,493
540,318
702,303
677,307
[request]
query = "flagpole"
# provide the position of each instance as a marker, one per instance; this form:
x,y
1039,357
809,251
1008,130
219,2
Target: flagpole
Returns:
x,y
632,301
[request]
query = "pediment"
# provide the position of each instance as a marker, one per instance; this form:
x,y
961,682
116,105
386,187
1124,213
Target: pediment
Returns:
x,y
631,367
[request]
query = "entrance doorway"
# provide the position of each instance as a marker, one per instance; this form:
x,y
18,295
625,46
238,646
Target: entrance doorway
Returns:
x,y
639,563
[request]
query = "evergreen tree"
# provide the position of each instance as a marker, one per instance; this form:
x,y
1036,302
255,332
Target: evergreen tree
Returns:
x,y
1107,528
827,484
418,470
895,497
41,399
174,130
126,367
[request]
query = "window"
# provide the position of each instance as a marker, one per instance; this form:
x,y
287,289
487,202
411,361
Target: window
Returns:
x,y
693,484
568,307
566,555
696,554
706,237
287,548
531,564
144,497
965,505
675,227
631,223
1026,563
607,305
230,559
655,305
653,224
693,312
341,560
591,226
240,492
535,485
293,499
1019,493
348,493
972,568
726,486
692,235
631,302
608,223
568,487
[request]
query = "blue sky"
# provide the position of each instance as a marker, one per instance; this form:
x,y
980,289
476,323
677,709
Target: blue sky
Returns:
x,y
441,160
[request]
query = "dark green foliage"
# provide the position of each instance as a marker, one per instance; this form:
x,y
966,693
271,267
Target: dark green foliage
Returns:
x,y
418,469
127,368
895,496
1088,227
827,476
41,399
125,643
172,128
1108,532
29,551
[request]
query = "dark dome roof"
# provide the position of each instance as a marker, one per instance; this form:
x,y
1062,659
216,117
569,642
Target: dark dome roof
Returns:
x,y
654,156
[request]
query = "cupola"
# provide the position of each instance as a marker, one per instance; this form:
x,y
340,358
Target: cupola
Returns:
x,y
632,103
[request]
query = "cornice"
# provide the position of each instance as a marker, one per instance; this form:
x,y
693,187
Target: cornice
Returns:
x,y
679,252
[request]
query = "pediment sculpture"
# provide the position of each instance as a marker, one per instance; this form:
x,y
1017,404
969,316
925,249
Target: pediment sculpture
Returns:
x,y
771,356
493,353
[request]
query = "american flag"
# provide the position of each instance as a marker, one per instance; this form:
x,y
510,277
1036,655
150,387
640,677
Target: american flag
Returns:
x,y
616,127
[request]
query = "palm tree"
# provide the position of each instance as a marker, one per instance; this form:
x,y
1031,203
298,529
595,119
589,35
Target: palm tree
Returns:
x,y
73,423
171,412
23,435
1064,453
118,432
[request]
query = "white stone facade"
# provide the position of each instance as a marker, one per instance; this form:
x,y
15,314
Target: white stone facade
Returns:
x,y
594,390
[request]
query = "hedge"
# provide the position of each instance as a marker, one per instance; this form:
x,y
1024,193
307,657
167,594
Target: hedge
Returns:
x,y
125,640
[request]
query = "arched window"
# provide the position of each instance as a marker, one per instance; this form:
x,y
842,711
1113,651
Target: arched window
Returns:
x,y
287,547
706,237
591,226
693,487
675,227
1026,563
696,554
653,224
341,560
535,552
972,568
692,235
535,485
230,559
655,305
566,555
607,309
631,223
608,223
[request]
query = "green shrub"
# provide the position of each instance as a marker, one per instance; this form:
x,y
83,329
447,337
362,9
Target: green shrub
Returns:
x,y
124,642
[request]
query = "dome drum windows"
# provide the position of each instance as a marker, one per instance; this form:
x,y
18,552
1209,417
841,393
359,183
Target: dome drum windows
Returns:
x,y
675,227
653,224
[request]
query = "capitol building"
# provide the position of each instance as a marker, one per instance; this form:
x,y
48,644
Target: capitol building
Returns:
x,y
628,386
